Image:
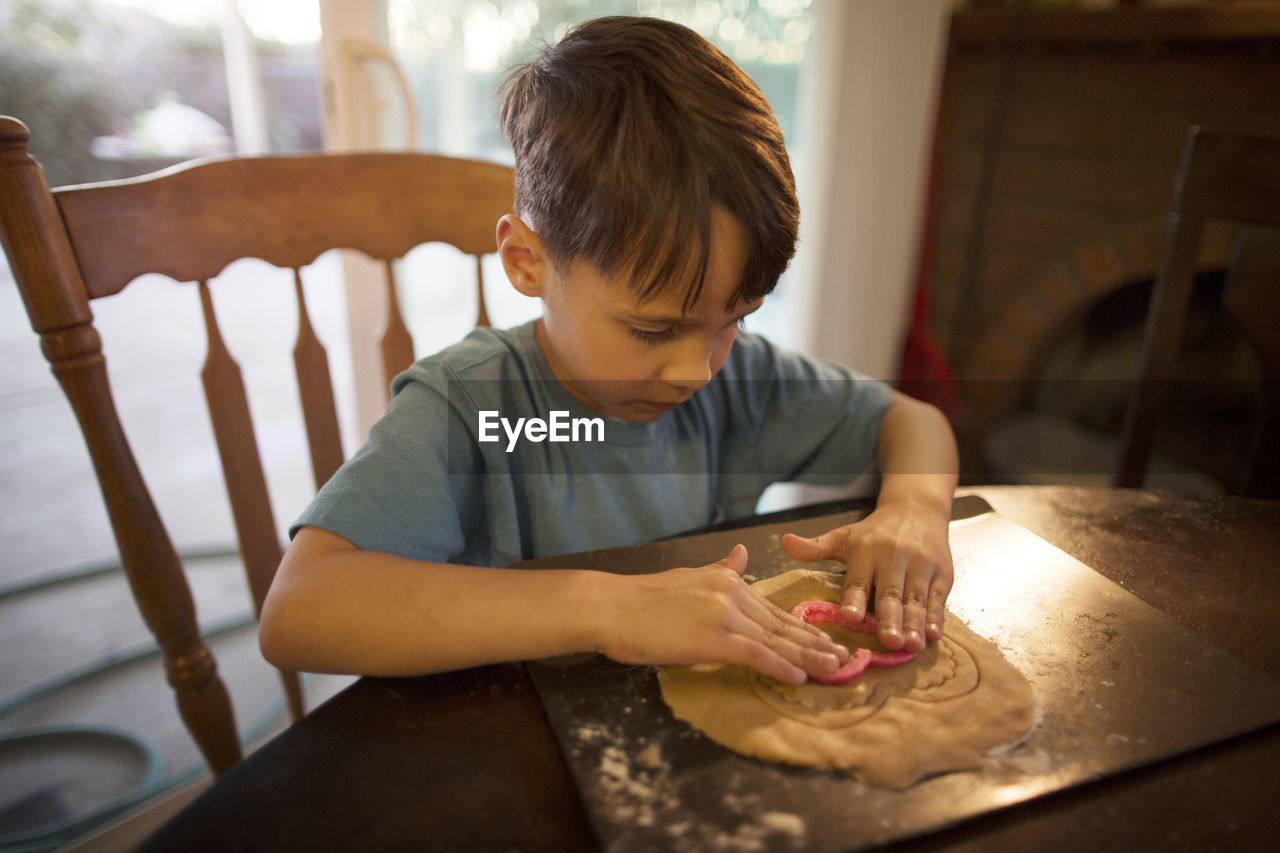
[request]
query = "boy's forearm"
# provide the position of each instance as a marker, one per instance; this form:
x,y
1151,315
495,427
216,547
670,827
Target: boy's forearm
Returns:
x,y
334,608
917,455
369,613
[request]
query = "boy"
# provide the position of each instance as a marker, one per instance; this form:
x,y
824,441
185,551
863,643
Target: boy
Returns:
x,y
655,209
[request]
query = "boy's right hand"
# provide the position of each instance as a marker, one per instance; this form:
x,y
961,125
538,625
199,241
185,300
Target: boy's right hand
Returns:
x,y
709,614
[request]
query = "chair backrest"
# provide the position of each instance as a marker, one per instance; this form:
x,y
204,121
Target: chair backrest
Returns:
x,y
1233,178
69,246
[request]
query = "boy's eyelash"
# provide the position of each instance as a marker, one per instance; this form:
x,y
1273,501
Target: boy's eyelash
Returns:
x,y
667,334
649,337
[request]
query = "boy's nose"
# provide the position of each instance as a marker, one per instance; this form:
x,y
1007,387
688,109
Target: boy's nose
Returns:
x,y
694,365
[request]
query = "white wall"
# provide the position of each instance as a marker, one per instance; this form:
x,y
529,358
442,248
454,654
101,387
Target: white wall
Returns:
x,y
868,114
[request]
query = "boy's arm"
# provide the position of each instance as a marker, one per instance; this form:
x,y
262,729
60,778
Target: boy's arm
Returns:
x,y
336,608
900,550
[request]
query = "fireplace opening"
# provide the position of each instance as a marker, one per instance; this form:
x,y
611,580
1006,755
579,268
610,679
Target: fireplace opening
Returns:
x,y
1068,423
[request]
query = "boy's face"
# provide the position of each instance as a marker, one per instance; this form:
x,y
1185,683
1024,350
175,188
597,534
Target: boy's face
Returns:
x,y
633,360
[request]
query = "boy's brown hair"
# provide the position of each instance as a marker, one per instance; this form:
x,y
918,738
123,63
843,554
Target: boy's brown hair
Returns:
x,y
626,132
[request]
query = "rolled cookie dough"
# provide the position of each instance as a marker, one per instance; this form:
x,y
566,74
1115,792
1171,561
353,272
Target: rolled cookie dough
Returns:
x,y
959,699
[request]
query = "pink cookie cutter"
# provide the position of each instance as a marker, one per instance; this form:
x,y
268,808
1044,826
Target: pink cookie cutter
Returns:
x,y
826,611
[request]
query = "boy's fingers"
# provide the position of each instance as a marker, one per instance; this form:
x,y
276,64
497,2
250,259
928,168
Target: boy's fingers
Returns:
x,y
765,615
736,559
807,660
889,591
745,651
828,546
797,641
889,616
819,662
857,589
936,608
913,617
935,623
770,640
774,620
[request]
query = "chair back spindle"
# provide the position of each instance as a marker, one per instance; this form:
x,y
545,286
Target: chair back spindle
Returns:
x,y
396,343
242,472
315,392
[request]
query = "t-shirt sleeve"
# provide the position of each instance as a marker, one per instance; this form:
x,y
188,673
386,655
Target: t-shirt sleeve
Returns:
x,y
803,420
406,491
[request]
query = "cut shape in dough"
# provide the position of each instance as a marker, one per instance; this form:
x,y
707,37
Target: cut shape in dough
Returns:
x,y
956,701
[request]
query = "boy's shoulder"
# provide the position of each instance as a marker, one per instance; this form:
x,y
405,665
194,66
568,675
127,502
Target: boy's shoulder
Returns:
x,y
759,373
756,357
485,353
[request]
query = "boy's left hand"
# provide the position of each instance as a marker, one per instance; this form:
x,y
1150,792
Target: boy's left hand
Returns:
x,y
901,554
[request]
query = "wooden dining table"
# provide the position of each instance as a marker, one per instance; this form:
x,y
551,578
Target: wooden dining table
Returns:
x,y
482,760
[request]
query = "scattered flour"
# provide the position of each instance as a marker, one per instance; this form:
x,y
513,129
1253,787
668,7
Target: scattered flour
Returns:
x,y
642,802
1035,762
650,757
785,823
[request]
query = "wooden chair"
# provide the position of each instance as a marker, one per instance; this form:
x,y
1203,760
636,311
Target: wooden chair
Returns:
x,y
1234,178
70,246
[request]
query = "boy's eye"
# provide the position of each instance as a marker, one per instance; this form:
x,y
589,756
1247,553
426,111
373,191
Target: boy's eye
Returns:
x,y
650,336
662,336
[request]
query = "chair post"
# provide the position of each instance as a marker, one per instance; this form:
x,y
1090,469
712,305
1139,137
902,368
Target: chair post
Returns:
x,y
57,304
1166,318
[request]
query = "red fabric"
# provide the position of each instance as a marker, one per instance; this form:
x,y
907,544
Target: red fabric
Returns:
x,y
925,372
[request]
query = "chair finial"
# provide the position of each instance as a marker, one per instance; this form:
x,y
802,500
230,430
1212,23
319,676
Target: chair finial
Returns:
x,y
13,133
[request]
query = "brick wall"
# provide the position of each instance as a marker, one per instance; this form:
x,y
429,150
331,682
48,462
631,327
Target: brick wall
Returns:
x,y
1056,162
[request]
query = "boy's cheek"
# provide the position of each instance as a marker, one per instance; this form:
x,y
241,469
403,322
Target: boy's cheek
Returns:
x,y
722,354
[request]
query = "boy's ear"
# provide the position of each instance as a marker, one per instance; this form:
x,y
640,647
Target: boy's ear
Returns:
x,y
522,255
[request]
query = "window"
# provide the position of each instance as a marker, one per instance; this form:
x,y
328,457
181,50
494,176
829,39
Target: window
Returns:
x,y
454,54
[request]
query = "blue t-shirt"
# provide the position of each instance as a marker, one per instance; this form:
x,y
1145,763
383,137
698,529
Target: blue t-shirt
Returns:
x,y
425,485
